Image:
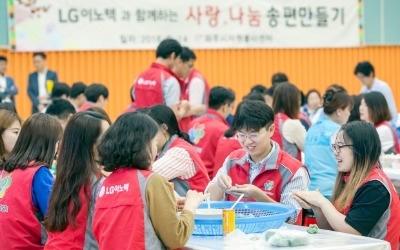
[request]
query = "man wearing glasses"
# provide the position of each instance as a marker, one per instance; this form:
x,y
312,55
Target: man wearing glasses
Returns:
x,y
261,170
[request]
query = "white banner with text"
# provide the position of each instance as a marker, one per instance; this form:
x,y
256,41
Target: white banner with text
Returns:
x,y
58,25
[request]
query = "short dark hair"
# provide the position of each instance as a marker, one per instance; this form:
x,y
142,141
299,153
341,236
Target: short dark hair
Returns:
x,y
271,90
336,99
77,89
355,111
220,96
127,142
378,108
255,96
287,100
60,108
100,111
36,143
60,89
167,47
279,77
3,58
336,88
365,68
253,115
187,54
94,91
41,54
163,114
259,88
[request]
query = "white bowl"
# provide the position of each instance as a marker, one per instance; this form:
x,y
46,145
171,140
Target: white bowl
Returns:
x,y
206,213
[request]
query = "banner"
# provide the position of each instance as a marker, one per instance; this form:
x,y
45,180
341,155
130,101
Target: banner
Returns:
x,y
48,25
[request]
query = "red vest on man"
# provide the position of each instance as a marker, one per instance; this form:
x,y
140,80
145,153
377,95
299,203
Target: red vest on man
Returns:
x,y
184,123
290,148
225,147
121,219
391,222
271,179
85,106
148,85
200,180
205,132
20,228
395,139
80,235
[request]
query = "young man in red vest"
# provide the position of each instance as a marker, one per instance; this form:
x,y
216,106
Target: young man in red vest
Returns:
x,y
261,170
206,130
195,89
158,84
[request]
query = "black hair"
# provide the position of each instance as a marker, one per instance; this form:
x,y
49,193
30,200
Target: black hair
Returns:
x,y
127,143
77,89
231,131
60,89
255,96
41,54
365,68
131,94
253,115
94,91
76,168
100,111
163,114
187,54
3,58
259,88
378,108
271,91
167,47
60,108
36,143
355,111
279,77
220,96
336,99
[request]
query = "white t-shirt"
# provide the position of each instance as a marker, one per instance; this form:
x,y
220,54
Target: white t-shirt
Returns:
x,y
42,84
386,136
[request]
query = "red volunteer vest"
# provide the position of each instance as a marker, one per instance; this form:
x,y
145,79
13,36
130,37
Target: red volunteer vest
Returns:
x,y
148,85
271,179
121,218
290,148
396,141
19,226
85,106
392,225
205,132
74,237
184,123
225,147
200,180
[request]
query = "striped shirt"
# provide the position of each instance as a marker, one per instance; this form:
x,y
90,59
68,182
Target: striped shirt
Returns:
x,y
175,163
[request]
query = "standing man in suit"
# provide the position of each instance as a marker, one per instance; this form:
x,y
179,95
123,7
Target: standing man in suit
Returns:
x,y
7,86
41,83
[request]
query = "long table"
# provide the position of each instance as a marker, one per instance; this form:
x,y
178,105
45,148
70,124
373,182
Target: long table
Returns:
x,y
324,239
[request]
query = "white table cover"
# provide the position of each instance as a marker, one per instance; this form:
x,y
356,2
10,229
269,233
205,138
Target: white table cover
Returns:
x,y
324,239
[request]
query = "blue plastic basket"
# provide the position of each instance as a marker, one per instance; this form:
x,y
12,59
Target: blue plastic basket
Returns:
x,y
251,217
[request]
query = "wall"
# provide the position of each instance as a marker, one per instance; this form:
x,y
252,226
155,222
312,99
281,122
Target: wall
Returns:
x,y
238,69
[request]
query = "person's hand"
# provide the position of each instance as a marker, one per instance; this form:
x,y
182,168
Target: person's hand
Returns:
x,y
309,199
180,203
224,182
249,190
193,200
185,105
40,107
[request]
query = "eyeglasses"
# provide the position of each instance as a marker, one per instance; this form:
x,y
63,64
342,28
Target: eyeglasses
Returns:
x,y
337,147
255,137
